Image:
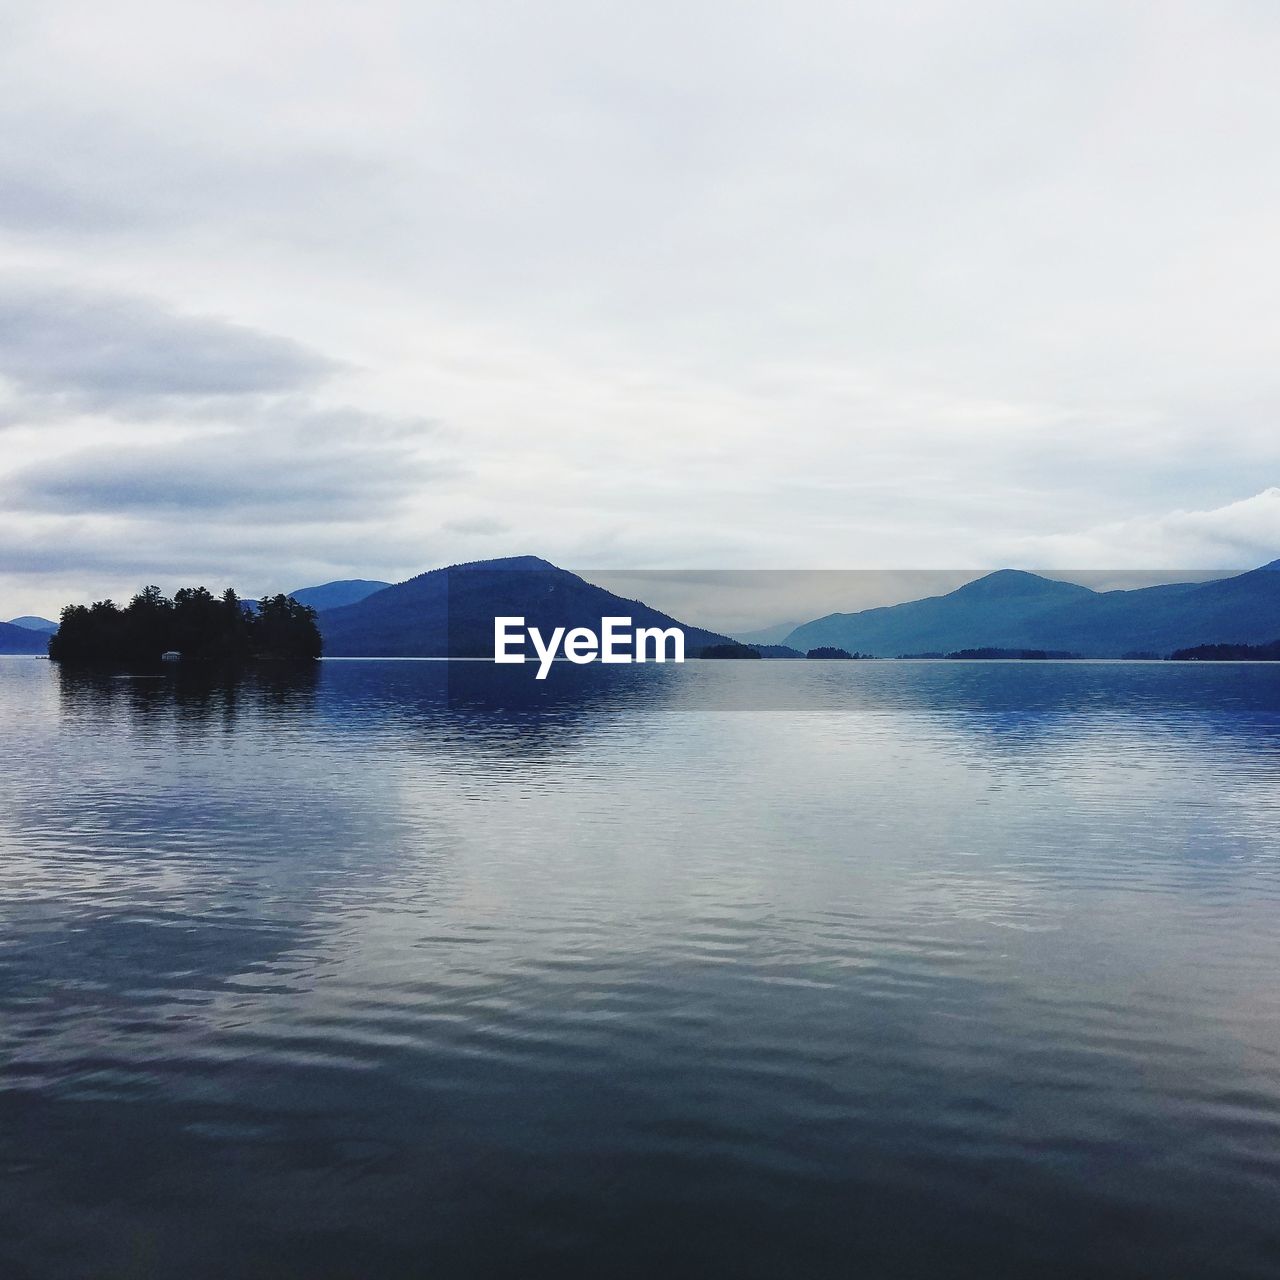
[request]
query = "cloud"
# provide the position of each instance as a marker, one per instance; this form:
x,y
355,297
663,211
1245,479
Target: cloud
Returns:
x,y
108,352
1239,535
847,285
477,526
79,558
271,478
245,469
36,203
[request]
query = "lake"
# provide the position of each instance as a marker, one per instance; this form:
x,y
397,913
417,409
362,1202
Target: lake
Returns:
x,y
884,969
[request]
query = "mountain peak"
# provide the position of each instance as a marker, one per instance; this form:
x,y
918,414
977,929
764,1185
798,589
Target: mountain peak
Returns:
x,y
333,595
511,562
450,611
1006,584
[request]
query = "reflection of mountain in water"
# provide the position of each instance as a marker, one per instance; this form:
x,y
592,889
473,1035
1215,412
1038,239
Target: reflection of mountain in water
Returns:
x,y
1027,692
1028,712
496,710
501,710
505,712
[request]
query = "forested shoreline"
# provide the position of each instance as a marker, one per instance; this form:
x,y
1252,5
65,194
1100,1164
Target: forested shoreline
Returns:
x,y
195,624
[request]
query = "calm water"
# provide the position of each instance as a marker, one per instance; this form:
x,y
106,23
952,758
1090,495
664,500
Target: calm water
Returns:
x,y
786,969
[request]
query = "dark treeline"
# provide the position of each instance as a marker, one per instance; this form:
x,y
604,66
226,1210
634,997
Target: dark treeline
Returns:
x,y
1229,653
1022,655
729,651
829,651
195,623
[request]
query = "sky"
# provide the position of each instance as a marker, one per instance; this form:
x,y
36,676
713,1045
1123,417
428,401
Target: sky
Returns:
x,y
296,292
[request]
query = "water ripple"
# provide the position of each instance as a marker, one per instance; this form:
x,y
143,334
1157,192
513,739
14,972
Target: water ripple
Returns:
x,y
899,969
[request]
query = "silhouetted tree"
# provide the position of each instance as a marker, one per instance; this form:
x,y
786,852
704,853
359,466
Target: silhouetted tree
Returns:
x,y
729,651
197,624
233,626
194,623
1022,655
95,633
283,628
1229,653
148,624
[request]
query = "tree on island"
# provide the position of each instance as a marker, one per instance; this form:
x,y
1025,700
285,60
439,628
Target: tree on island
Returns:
x,y
987,654
729,651
283,628
829,651
195,623
1229,653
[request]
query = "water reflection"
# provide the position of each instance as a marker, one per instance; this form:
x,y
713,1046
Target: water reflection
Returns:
x,y
1002,706
194,697
495,708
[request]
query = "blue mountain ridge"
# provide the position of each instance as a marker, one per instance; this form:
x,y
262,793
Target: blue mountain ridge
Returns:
x,y
1012,609
449,612
22,640
333,595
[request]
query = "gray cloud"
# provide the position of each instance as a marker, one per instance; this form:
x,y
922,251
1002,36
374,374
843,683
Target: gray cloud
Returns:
x,y
104,351
477,526
79,558
295,497
269,479
37,204
261,482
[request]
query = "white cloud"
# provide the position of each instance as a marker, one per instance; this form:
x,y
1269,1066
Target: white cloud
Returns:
x,y
1240,535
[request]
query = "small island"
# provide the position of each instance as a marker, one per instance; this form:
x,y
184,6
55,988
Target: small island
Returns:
x,y
729,651
195,625
990,654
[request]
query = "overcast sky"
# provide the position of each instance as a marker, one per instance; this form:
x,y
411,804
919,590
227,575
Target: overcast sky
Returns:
x,y
292,292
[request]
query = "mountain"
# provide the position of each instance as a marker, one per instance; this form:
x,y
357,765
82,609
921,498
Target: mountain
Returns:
x,y
333,595
1014,610
31,623
977,614
450,612
22,639
775,634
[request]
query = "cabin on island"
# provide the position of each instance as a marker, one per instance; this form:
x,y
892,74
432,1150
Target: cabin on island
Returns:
x,y
170,655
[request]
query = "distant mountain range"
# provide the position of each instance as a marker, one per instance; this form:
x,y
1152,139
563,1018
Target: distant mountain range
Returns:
x,y
334,595
1010,609
15,639
766,636
450,612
